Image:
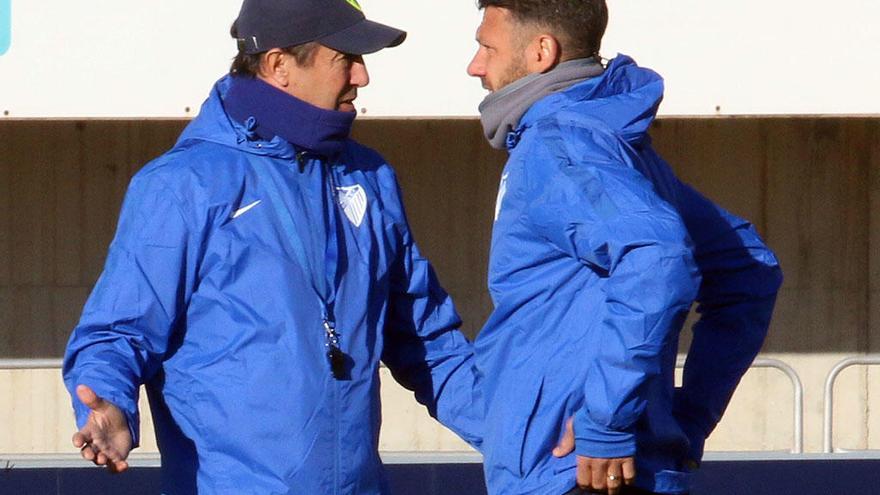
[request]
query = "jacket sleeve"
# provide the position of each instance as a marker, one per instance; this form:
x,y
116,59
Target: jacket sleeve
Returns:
x,y
125,326
424,349
741,277
606,215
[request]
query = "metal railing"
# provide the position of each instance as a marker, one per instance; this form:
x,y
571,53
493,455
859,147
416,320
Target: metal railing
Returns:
x,y
797,388
828,417
29,364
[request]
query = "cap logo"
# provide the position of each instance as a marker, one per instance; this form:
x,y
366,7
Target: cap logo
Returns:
x,y
355,4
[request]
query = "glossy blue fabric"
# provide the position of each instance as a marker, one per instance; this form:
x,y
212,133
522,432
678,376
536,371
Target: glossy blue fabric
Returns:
x,y
203,301
598,252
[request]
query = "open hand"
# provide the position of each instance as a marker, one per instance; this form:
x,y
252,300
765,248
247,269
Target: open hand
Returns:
x,y
597,474
104,439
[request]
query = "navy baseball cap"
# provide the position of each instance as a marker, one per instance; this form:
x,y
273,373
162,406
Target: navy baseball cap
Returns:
x,y
338,24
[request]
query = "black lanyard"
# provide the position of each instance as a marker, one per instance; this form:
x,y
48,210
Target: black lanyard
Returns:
x,y
323,282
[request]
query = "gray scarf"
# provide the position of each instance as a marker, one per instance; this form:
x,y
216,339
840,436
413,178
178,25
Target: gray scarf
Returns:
x,y
501,111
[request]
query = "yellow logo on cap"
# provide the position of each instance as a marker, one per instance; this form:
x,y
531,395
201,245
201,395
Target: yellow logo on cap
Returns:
x,y
355,4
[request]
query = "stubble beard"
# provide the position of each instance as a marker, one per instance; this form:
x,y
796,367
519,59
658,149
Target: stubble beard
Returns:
x,y
516,71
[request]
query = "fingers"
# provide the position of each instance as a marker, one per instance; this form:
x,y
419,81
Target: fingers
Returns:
x,y
105,433
583,475
105,453
88,397
602,475
104,440
566,443
96,449
117,466
95,455
598,470
88,453
605,475
629,471
79,440
614,478
86,449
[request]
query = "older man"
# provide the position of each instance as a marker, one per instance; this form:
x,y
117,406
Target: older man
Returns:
x,y
598,252
261,269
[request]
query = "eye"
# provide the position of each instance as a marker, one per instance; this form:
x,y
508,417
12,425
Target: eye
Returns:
x,y
348,59
342,58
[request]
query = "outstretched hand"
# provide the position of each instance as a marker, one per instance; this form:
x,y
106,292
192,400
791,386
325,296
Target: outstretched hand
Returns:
x,y
105,438
602,475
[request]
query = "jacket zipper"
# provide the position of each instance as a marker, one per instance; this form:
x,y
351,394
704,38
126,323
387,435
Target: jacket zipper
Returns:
x,y
328,183
331,207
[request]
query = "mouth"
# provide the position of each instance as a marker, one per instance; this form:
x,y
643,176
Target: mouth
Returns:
x,y
347,103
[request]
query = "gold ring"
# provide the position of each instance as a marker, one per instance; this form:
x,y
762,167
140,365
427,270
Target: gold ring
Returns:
x,y
612,477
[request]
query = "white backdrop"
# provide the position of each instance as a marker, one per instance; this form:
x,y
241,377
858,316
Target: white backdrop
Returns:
x,y
125,58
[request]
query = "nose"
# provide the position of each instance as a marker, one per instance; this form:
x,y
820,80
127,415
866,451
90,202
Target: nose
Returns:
x,y
477,67
359,75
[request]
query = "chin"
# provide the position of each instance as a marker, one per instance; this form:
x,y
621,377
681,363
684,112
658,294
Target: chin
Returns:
x,y
346,107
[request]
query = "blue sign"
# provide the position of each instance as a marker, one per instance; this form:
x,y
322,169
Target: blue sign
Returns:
x,y
5,25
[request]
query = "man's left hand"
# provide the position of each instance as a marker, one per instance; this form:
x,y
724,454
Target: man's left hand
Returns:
x,y
602,475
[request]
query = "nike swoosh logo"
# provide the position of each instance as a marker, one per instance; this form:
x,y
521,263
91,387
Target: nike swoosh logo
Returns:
x,y
241,211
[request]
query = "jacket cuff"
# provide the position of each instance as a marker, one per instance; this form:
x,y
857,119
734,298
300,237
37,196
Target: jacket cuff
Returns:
x,y
593,440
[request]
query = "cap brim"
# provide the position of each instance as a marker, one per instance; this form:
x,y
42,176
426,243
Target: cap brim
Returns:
x,y
364,37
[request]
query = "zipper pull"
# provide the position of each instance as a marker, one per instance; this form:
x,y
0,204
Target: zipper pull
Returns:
x,y
335,355
301,161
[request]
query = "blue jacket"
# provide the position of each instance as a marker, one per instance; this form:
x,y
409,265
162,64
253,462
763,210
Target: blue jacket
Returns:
x,y
204,301
598,252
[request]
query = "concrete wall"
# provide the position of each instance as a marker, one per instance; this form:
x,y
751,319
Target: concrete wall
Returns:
x,y
809,184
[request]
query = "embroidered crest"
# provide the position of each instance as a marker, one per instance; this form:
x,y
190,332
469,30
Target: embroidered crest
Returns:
x,y
353,201
502,190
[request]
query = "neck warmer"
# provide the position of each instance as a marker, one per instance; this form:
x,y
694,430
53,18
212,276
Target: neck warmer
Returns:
x,y
276,113
501,111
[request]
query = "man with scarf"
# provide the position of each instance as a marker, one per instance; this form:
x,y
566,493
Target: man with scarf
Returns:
x,y
261,269
598,252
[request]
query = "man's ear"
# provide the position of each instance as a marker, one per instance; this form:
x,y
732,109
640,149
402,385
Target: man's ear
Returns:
x,y
275,67
542,53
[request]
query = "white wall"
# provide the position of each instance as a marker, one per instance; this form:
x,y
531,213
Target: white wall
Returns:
x,y
125,58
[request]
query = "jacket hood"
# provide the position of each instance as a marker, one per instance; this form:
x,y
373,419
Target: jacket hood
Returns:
x,y
213,124
625,98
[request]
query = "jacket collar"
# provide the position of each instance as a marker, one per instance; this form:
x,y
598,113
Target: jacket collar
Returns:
x,y
270,112
625,97
215,124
